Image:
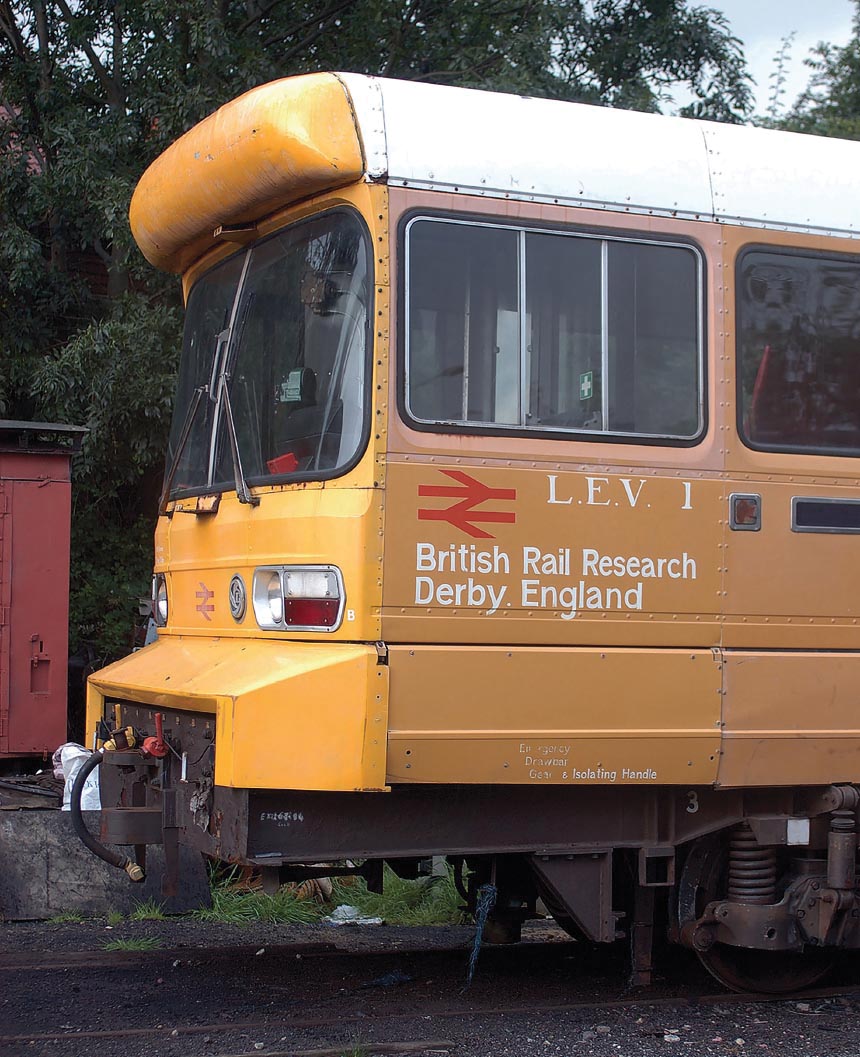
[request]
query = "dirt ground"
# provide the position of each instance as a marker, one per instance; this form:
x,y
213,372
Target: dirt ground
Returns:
x,y
220,990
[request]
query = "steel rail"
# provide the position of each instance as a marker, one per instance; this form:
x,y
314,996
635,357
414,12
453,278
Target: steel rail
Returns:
x,y
644,1000
25,961
369,1048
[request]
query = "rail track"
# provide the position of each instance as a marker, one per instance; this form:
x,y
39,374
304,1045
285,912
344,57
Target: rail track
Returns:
x,y
295,1023
405,1009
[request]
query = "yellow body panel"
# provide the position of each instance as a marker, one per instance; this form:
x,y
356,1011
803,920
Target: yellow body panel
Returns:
x,y
787,589
273,145
305,525
560,716
288,715
589,557
790,714
791,717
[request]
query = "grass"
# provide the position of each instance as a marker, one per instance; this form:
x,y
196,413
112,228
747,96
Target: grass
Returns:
x,y
148,911
142,943
426,901
235,903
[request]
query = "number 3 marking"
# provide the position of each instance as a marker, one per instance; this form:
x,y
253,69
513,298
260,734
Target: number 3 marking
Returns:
x,y
692,802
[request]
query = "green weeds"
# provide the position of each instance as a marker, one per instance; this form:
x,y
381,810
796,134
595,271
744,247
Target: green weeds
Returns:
x,y
67,917
234,903
425,901
148,911
141,943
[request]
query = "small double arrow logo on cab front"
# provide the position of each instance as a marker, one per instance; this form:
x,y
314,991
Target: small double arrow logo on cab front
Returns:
x,y
204,606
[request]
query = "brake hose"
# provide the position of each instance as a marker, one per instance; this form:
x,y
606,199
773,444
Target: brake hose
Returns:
x,y
113,858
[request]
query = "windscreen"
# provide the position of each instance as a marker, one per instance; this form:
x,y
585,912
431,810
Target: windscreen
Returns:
x,y
276,340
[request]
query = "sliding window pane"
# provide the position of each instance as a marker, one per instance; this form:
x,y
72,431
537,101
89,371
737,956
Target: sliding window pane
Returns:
x,y
564,346
653,340
463,341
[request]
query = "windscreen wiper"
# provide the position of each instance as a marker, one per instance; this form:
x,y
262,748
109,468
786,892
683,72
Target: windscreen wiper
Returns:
x,y
180,446
233,339
243,493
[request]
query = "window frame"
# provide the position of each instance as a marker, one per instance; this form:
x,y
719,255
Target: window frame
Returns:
x,y
303,476
527,226
786,251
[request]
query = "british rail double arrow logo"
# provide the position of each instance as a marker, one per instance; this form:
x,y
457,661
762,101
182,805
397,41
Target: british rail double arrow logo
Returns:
x,y
204,606
470,493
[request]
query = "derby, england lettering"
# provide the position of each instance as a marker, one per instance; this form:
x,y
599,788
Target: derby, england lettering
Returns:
x,y
546,578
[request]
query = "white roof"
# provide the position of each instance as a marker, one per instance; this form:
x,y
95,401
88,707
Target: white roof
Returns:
x,y
503,146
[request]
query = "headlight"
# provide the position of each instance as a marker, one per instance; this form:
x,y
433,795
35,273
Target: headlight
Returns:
x,y
268,598
160,605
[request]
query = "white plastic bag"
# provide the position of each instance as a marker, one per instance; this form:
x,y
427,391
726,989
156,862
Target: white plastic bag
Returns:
x,y
348,915
68,760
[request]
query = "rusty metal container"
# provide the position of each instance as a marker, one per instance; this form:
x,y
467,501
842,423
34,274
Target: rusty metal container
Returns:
x,y
35,516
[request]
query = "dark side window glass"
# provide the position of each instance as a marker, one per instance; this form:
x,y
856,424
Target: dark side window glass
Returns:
x,y
799,352
516,328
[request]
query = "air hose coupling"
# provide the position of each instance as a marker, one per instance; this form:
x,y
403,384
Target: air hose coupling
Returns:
x,y
109,855
134,871
122,740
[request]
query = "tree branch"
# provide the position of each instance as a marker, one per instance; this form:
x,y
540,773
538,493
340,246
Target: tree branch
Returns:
x,y
260,15
9,27
321,22
110,86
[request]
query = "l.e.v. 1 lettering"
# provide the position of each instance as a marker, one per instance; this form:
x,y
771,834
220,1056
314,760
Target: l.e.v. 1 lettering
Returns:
x,y
599,492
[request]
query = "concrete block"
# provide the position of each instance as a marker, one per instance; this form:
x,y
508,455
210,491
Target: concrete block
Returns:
x,y
46,871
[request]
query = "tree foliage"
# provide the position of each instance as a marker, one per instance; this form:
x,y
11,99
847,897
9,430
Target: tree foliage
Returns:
x,y
830,106
92,90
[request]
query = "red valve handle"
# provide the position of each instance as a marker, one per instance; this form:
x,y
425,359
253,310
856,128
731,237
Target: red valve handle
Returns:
x,y
156,746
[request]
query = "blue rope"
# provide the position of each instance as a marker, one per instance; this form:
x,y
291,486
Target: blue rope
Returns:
x,y
484,903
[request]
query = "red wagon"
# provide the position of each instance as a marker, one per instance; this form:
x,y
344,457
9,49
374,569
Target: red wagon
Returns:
x,y
35,513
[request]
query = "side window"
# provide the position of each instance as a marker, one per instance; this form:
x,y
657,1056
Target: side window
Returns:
x,y
463,344
550,331
799,352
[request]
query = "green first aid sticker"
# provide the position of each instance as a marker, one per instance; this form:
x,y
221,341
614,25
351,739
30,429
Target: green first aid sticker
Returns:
x,y
586,385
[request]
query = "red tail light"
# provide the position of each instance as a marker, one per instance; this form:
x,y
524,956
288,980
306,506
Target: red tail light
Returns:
x,y
311,612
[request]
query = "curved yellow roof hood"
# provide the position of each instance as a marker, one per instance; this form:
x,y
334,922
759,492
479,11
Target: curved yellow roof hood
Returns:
x,y
273,145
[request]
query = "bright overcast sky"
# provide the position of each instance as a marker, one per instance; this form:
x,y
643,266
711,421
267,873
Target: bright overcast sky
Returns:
x,y
762,24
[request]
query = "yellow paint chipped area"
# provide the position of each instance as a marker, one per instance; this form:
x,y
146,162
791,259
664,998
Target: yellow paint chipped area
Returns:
x,y
289,715
272,146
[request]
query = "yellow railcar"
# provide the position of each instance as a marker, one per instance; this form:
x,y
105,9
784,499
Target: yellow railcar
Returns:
x,y
511,513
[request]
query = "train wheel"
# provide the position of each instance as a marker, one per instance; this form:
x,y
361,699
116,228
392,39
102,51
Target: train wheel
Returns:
x,y
766,972
703,880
